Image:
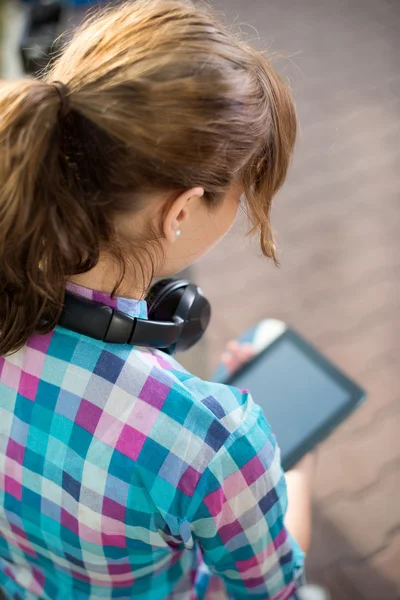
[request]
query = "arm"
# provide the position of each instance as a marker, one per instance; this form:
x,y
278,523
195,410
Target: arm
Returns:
x,y
237,516
298,479
299,487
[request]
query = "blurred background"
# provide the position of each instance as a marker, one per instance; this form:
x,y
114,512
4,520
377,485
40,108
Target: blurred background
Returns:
x,y
337,222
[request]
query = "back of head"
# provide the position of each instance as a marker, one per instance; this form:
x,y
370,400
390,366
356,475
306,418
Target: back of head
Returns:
x,y
161,98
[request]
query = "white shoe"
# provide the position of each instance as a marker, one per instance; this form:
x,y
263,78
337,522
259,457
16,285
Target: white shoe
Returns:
x,y
313,592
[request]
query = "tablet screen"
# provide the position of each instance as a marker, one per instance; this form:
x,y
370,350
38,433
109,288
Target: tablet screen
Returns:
x,y
299,392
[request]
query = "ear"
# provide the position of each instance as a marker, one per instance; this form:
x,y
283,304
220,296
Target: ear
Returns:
x,y
179,212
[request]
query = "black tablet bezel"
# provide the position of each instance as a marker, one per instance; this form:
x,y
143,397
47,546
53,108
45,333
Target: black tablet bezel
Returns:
x,y
356,393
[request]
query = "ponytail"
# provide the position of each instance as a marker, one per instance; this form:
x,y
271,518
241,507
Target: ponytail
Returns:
x,y
41,223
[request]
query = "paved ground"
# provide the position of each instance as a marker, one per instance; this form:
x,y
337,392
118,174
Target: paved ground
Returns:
x,y
339,284
338,223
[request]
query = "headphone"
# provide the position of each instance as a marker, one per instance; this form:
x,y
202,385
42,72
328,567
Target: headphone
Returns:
x,y
178,316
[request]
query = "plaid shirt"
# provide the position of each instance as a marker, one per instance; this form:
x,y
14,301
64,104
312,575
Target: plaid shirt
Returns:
x,y
124,476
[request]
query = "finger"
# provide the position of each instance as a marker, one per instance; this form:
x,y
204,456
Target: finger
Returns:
x,y
248,349
225,358
234,364
233,346
240,358
244,354
230,366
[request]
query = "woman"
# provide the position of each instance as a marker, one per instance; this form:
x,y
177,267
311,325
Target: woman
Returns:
x,y
121,474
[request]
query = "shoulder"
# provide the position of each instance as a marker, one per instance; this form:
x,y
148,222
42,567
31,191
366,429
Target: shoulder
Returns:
x,y
214,419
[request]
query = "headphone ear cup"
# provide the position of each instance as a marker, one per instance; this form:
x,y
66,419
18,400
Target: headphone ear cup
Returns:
x,y
197,321
169,299
164,297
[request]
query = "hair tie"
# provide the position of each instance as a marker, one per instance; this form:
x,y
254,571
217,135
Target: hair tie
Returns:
x,y
63,92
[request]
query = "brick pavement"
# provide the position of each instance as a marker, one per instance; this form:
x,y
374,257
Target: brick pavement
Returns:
x,y
339,284
337,221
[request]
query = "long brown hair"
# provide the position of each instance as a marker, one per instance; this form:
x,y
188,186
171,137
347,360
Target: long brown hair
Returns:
x,y
161,98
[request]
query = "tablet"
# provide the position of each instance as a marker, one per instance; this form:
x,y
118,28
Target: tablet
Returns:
x,y
303,395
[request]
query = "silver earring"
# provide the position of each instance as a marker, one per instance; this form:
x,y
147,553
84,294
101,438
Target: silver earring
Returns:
x,y
178,232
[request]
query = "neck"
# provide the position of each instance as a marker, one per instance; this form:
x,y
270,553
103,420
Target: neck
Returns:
x,y
104,276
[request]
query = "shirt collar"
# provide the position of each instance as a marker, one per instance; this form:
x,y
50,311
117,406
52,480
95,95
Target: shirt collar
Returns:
x,y
133,308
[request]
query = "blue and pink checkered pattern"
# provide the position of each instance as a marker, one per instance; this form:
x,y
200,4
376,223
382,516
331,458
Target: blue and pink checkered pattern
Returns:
x,y
124,476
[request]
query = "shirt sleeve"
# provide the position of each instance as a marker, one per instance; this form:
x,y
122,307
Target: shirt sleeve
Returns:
x,y
237,515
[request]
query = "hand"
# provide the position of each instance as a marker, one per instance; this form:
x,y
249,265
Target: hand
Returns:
x,y
235,355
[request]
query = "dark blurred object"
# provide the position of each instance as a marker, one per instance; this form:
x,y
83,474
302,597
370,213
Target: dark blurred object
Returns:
x,y
45,22
66,2
39,39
